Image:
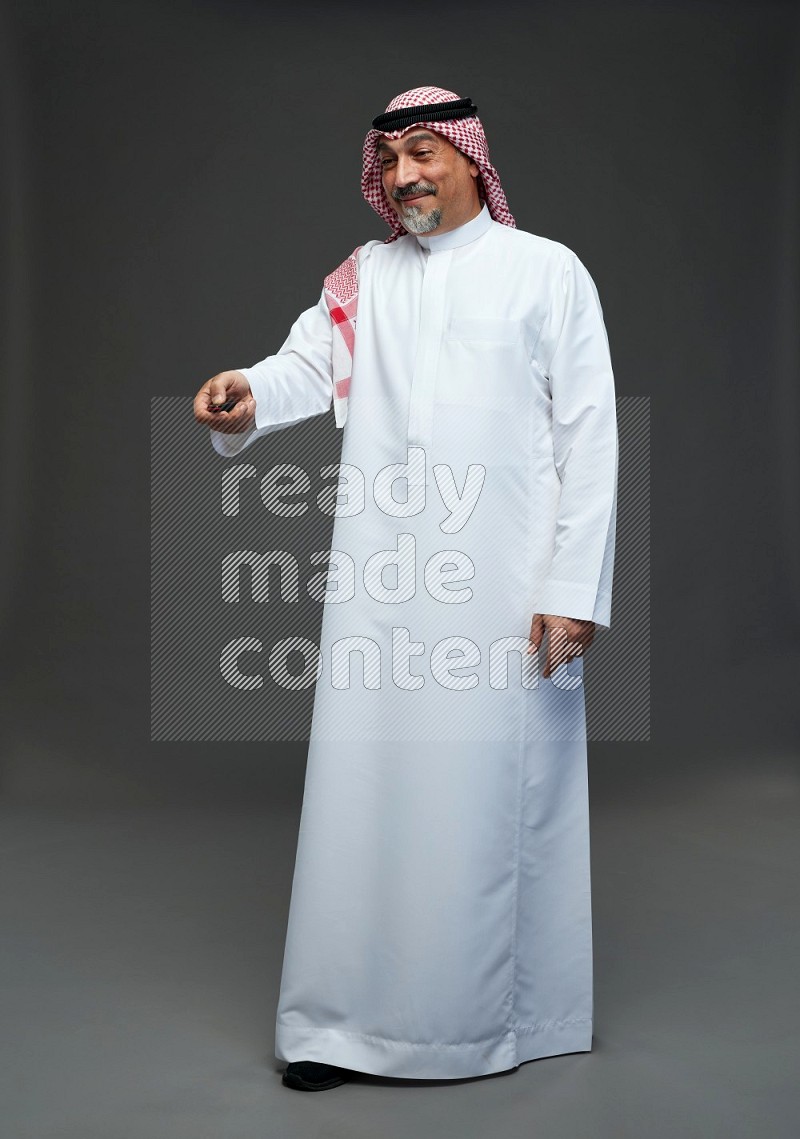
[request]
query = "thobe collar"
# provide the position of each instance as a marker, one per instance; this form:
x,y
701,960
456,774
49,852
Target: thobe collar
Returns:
x,y
461,235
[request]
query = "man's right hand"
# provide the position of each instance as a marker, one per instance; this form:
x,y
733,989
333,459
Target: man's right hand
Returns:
x,y
219,389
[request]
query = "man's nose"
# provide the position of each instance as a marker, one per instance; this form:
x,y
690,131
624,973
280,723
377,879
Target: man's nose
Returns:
x,y
406,172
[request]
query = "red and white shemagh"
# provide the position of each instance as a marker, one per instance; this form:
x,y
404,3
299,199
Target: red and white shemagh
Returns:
x,y
341,286
341,296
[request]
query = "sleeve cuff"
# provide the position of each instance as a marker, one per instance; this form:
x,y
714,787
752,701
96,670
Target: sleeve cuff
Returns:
x,y
229,445
571,599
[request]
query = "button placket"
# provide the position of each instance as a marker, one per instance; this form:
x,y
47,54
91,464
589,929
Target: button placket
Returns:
x,y
431,330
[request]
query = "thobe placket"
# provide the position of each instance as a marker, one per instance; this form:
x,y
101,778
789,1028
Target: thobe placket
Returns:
x,y
431,329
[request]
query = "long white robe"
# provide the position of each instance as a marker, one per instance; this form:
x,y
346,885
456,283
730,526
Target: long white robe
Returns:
x,y
440,918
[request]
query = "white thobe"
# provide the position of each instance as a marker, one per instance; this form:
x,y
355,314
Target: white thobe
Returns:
x,y
440,917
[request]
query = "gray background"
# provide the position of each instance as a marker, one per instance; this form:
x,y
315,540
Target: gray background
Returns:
x,y
177,178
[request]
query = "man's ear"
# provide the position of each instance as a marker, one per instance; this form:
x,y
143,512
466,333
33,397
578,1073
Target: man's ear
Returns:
x,y
474,169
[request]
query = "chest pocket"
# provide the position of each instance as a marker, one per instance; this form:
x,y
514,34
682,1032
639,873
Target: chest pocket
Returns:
x,y
480,362
488,328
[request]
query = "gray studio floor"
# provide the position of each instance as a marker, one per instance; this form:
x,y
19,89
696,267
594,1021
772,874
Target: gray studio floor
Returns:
x,y
142,948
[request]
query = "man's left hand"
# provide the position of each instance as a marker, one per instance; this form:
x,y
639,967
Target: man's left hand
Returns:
x,y
566,638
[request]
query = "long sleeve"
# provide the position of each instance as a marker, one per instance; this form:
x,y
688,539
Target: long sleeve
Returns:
x,y
573,353
292,385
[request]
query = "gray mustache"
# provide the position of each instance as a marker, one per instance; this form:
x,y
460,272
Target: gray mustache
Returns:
x,y
412,191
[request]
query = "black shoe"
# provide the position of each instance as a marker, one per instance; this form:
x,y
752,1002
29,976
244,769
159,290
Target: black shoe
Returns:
x,y
309,1076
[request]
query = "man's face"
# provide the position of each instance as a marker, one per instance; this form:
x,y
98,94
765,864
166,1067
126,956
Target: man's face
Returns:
x,y
430,184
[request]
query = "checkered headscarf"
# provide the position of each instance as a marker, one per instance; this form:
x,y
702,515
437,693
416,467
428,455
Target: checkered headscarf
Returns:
x,y
341,286
465,134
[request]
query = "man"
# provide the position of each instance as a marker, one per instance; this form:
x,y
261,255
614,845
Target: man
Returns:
x,y
440,920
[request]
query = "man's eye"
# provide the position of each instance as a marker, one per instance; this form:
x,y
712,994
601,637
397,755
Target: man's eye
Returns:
x,y
422,153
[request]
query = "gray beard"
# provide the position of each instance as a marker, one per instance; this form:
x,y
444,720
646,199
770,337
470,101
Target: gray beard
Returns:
x,y
416,221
